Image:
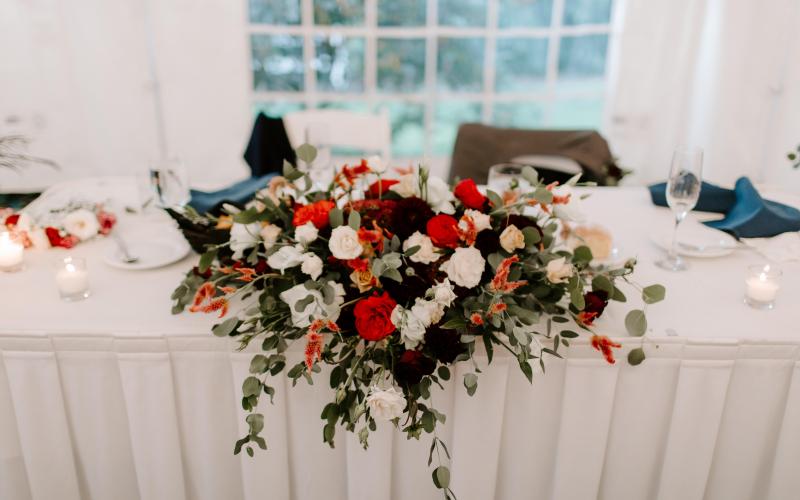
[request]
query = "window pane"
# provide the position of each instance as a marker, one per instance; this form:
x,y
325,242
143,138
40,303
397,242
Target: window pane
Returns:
x,y
401,64
345,12
582,56
462,12
578,113
460,64
401,12
525,13
339,63
275,11
521,64
277,62
448,117
408,128
357,106
277,109
518,114
587,12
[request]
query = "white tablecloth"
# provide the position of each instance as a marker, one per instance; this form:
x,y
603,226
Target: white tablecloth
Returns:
x,y
114,398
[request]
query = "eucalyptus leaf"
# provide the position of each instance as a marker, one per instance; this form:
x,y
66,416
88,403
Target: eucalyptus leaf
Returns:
x,y
306,153
653,293
226,327
636,356
441,477
354,220
206,259
251,386
530,174
336,217
471,383
636,323
600,282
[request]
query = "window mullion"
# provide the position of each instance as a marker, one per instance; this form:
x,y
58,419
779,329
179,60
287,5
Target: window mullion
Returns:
x,y
489,60
553,48
310,74
431,47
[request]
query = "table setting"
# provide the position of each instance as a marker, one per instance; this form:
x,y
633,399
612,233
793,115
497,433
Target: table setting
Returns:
x,y
539,337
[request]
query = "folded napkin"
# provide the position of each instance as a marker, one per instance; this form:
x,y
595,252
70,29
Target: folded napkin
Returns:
x,y
237,194
747,214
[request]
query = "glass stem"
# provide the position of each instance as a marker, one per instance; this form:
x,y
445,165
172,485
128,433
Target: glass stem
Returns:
x,y
673,249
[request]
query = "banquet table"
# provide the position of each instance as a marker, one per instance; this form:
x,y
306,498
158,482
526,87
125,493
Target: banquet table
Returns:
x,y
116,398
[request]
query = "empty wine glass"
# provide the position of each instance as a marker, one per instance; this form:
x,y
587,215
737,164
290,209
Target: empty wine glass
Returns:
x,y
169,183
683,190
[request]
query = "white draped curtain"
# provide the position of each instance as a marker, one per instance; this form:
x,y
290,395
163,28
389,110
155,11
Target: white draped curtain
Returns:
x,y
719,74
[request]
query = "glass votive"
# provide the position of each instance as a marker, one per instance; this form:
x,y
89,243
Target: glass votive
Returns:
x,y
72,279
11,251
506,177
761,286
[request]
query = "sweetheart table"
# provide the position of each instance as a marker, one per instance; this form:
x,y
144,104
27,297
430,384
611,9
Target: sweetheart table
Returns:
x,y
115,398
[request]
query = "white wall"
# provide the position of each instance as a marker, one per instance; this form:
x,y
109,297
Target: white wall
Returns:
x,y
75,76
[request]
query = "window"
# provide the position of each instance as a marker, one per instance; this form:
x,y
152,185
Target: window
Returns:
x,y
434,64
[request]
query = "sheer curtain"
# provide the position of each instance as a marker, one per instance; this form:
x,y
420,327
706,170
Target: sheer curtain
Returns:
x,y
719,74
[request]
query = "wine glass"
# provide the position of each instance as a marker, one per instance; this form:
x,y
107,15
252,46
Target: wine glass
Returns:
x,y
505,177
683,190
169,183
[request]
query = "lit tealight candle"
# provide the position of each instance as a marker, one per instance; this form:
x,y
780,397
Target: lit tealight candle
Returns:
x,y
10,253
762,285
72,279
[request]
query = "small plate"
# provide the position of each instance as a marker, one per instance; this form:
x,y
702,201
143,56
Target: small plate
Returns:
x,y
152,254
697,240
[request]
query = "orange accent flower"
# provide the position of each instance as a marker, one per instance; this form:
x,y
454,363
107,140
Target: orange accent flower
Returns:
x,y
587,318
204,300
316,213
219,304
604,345
246,274
404,170
476,319
227,289
470,234
224,222
500,281
206,291
497,308
313,352
347,176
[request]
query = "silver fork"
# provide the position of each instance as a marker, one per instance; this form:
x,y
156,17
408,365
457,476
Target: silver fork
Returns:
x,y
126,254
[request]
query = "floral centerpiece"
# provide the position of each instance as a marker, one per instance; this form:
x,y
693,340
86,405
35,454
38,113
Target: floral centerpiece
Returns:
x,y
392,284
64,227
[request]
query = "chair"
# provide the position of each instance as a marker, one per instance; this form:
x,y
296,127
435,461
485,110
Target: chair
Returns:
x,y
365,133
478,147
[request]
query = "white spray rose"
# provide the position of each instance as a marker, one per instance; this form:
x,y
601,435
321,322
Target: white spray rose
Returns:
x,y
571,211
269,234
317,308
439,196
427,311
244,236
512,239
385,404
81,223
427,252
312,265
376,164
465,267
442,293
306,233
412,330
344,244
407,185
285,258
559,270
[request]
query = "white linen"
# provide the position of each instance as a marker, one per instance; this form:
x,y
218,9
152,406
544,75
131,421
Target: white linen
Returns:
x,y
114,397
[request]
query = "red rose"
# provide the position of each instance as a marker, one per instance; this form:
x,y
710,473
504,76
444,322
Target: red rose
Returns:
x,y
56,240
443,231
373,317
468,193
380,187
106,220
12,220
316,213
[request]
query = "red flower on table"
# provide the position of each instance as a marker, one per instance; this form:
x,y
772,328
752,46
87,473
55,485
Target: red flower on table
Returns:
x,y
468,193
604,345
56,240
373,317
106,220
316,213
443,231
377,188
12,220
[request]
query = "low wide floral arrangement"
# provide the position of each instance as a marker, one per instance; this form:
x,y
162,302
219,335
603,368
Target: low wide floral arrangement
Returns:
x,y
393,283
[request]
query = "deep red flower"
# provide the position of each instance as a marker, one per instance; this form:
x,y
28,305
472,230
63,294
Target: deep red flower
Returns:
x,y
56,240
373,317
604,345
412,366
106,220
468,193
380,187
596,302
443,231
316,213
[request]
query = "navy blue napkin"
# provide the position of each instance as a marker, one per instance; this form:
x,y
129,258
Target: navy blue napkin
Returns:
x,y
747,214
237,194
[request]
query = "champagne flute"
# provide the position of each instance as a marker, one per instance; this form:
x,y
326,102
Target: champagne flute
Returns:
x,y
683,190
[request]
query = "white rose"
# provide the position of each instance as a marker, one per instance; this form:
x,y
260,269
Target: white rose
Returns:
x,y
559,270
412,330
39,239
465,267
312,265
244,236
317,308
269,234
285,258
376,164
439,196
344,244
571,211
427,252
81,223
480,220
512,239
427,311
407,185
306,233
385,404
442,293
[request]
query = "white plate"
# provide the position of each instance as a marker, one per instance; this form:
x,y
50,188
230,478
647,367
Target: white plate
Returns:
x,y
153,253
697,240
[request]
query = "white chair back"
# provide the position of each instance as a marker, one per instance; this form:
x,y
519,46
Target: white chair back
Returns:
x,y
371,133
